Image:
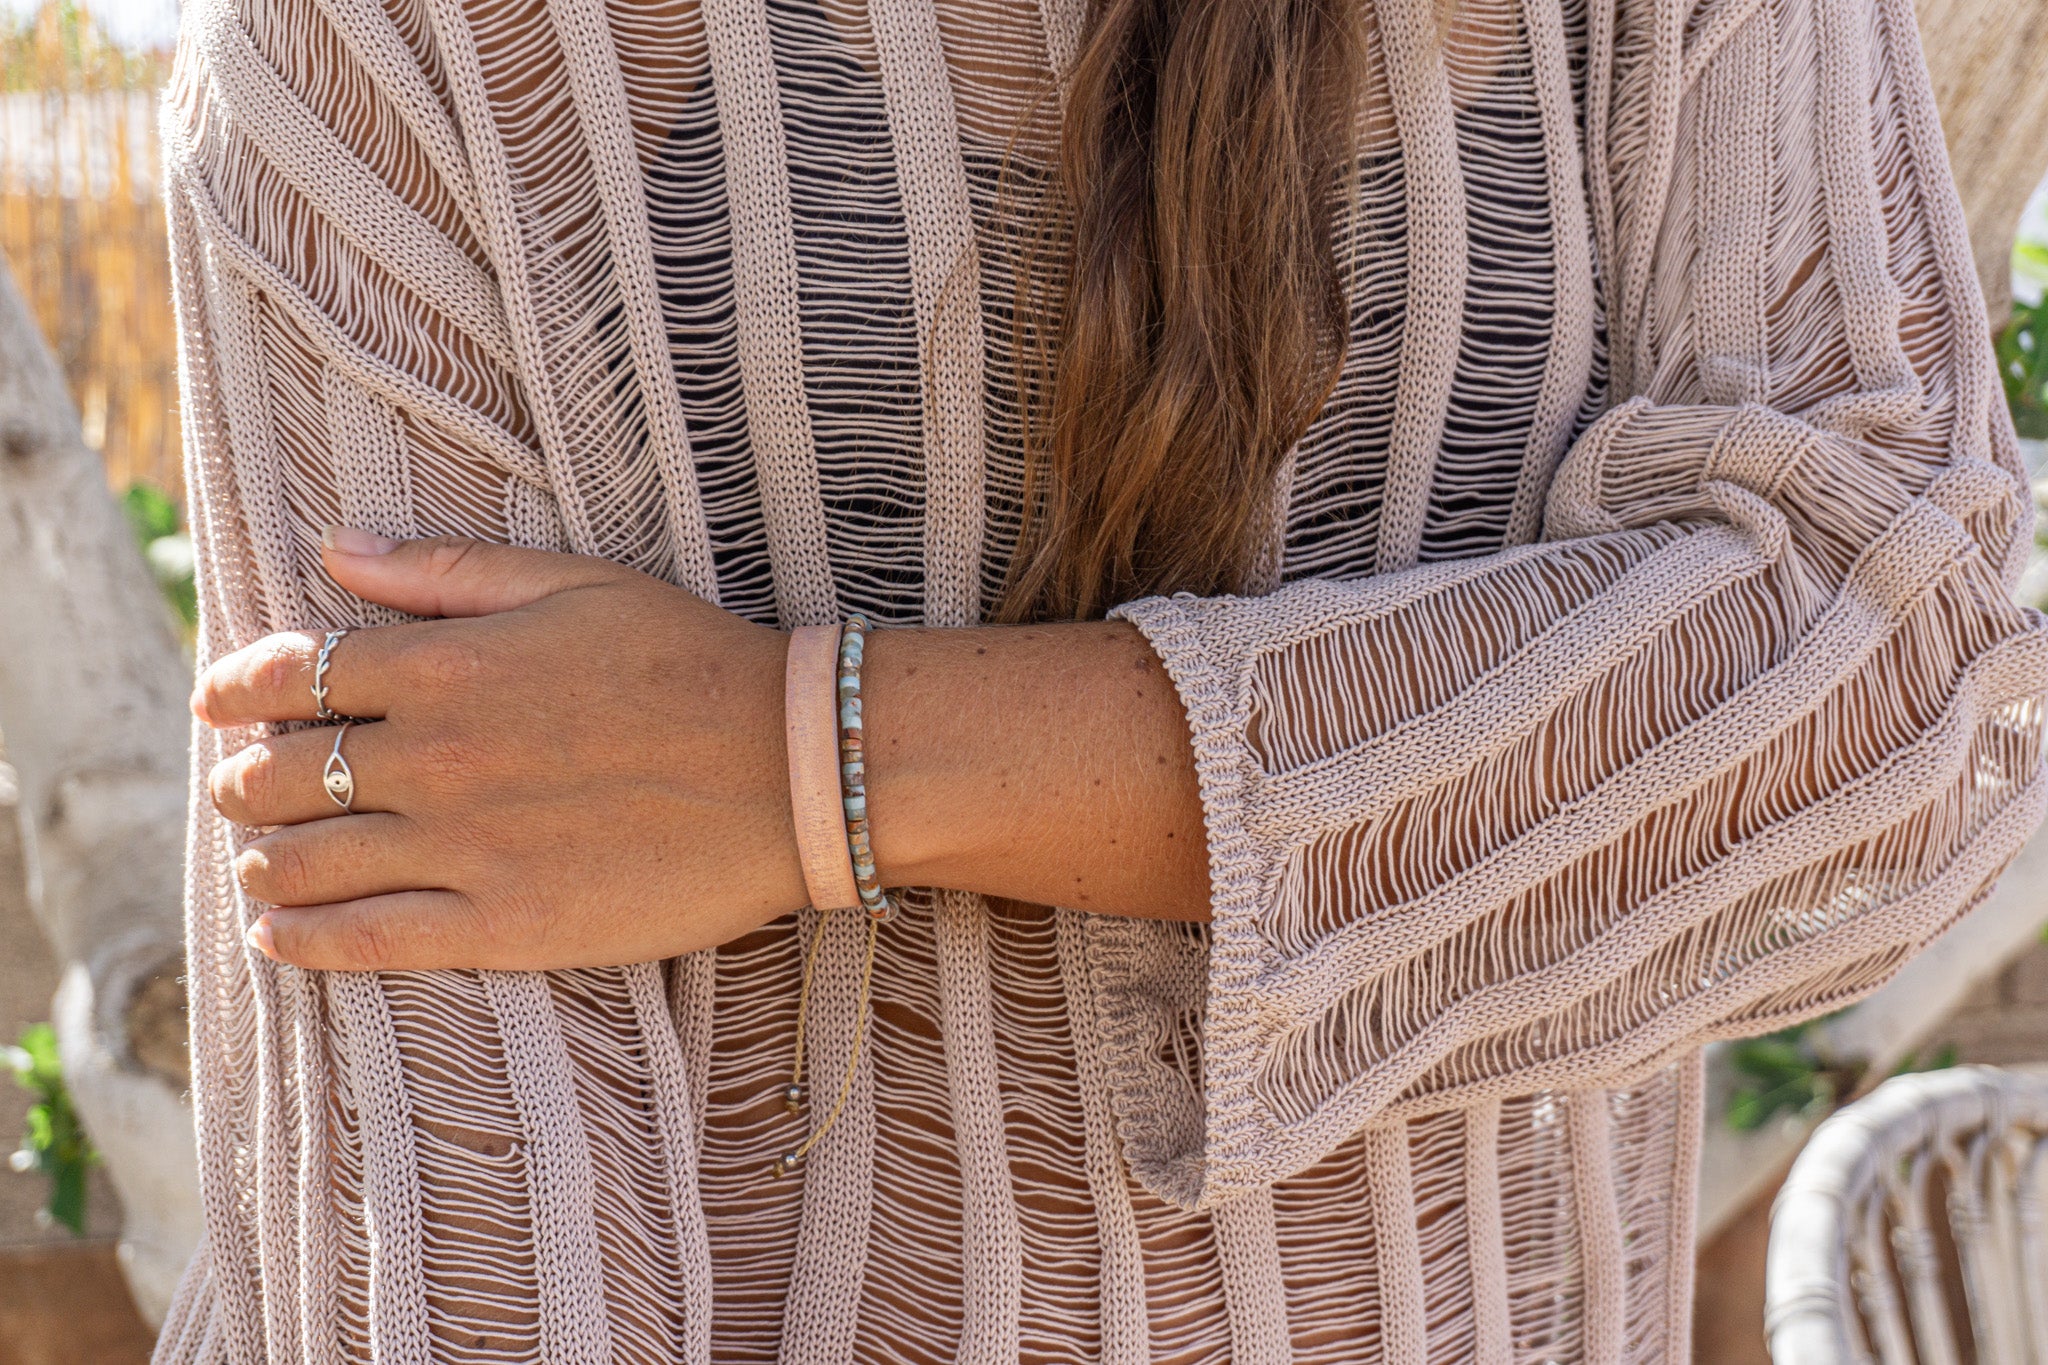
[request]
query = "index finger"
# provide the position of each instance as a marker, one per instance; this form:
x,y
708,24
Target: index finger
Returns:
x,y
273,679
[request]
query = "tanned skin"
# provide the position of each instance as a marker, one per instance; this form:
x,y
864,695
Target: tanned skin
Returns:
x,y
576,765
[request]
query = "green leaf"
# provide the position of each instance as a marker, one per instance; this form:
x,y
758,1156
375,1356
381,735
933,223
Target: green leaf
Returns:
x,y
53,1141
156,522
150,511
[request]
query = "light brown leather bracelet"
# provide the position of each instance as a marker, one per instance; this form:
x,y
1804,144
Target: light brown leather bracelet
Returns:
x,y
810,710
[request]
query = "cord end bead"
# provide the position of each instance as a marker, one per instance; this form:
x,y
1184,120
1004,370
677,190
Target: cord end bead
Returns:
x,y
785,1163
793,1098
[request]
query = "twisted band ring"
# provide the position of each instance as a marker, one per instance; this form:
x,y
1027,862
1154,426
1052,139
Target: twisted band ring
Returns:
x,y
320,665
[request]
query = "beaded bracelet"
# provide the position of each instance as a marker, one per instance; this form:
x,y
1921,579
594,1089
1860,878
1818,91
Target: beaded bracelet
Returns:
x,y
853,795
853,790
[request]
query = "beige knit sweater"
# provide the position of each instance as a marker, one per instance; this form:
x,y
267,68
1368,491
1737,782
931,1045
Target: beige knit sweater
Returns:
x,y
1643,673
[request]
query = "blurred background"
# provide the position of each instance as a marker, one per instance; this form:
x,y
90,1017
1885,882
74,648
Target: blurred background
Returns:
x,y
96,1206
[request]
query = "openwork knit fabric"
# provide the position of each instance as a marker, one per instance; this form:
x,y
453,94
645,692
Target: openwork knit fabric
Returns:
x,y
1639,671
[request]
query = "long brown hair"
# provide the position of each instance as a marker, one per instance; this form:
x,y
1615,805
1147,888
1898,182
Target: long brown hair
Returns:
x,y
1202,321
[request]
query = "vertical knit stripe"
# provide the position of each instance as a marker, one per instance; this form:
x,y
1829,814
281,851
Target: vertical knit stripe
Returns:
x,y
1125,1333
509,246
1063,23
1979,399
1733,154
1405,1326
279,1162
316,1270
678,1110
1682,1223
765,305
823,1310
593,66
1638,229
945,276
945,280
1436,273
212,908
574,1325
991,1258
1602,1275
693,985
1871,302
187,1336
1253,1292
530,518
1570,361
1600,206
372,472
391,1207
1486,1236
373,482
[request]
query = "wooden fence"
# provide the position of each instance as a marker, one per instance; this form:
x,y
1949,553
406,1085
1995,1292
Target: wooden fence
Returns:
x,y
81,221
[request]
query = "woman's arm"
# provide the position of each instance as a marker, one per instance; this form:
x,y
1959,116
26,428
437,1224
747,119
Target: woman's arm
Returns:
x,y
584,766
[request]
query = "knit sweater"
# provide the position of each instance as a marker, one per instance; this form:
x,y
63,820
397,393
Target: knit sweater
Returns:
x,y
1634,667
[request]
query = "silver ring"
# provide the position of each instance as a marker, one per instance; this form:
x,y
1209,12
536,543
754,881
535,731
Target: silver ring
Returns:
x,y
320,706
337,779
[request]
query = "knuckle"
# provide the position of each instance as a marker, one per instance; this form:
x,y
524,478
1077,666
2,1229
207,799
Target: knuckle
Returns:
x,y
444,555
368,943
217,789
278,667
521,920
512,928
253,684
213,696
240,784
253,783
280,873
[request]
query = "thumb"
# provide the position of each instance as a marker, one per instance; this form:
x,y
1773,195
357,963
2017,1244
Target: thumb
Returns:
x,y
451,576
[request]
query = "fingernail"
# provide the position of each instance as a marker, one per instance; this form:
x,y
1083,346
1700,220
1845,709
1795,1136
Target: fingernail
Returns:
x,y
260,939
350,540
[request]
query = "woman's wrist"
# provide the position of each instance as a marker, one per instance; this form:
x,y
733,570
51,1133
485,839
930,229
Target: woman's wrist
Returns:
x,y
1048,763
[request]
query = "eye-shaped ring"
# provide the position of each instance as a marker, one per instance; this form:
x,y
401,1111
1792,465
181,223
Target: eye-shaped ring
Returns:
x,y
336,777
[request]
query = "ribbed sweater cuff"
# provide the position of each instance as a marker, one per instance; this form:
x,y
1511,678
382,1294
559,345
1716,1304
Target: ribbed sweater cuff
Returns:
x,y
1195,1140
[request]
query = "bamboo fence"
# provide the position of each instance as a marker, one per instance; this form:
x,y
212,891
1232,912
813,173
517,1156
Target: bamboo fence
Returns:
x,y
81,221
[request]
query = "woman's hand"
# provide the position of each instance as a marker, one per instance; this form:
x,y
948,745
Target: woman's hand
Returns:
x,y
582,766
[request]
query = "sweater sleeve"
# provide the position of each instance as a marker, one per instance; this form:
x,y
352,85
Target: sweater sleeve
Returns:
x,y
1754,722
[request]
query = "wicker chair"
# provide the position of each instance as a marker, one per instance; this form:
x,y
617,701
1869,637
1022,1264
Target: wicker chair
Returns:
x,y
1859,1268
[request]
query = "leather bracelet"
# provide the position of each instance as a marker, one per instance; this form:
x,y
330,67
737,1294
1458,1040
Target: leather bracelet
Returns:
x,y
811,728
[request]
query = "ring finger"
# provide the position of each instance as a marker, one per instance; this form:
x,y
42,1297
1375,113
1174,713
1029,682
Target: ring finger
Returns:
x,y
282,780
339,860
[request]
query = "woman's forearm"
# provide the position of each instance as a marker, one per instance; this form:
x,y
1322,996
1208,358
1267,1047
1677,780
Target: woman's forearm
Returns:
x,y
1048,764
578,765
